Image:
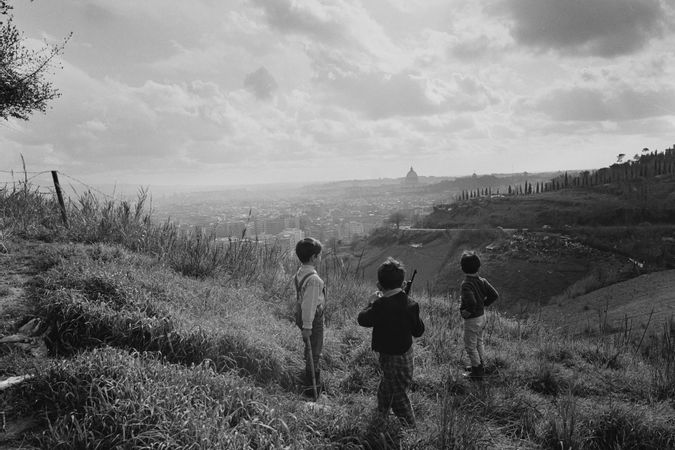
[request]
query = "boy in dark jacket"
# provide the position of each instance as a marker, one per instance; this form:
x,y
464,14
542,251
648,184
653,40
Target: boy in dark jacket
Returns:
x,y
476,294
395,320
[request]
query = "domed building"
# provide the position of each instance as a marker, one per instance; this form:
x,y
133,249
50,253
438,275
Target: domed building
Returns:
x,y
411,178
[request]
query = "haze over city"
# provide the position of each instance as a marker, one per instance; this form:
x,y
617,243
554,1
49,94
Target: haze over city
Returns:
x,y
248,92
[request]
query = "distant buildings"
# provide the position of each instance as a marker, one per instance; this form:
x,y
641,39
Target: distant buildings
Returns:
x,y
342,212
288,238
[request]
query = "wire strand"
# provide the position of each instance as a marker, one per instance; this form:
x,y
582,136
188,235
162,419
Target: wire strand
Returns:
x,y
91,188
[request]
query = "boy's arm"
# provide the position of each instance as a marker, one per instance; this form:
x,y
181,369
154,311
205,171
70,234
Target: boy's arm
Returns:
x,y
366,317
491,294
468,301
417,325
310,300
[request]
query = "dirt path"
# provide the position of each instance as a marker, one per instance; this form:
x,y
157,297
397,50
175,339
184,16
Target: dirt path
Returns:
x,y
19,262
17,266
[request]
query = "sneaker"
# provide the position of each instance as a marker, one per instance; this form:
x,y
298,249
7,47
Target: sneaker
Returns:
x,y
477,372
308,392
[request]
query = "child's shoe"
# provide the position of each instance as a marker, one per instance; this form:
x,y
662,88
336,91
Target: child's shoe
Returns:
x,y
476,373
308,388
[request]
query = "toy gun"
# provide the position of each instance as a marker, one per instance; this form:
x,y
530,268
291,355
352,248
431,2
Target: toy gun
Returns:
x,y
408,285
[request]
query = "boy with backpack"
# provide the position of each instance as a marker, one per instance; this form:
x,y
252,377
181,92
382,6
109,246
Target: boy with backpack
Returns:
x,y
395,320
476,294
311,298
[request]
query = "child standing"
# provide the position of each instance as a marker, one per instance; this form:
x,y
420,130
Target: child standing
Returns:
x,y
395,321
476,294
311,295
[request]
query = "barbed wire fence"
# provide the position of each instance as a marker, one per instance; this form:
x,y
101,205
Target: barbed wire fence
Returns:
x,y
47,184
42,182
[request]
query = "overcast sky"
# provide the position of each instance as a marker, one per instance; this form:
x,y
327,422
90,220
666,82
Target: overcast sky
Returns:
x,y
257,91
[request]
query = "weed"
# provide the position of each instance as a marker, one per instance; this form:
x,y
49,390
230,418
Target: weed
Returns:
x,y
546,380
562,432
457,428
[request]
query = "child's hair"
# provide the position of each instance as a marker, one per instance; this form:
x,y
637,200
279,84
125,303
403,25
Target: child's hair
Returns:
x,y
306,248
391,274
470,262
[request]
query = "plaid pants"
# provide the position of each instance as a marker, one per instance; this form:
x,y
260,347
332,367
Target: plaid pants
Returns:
x,y
397,373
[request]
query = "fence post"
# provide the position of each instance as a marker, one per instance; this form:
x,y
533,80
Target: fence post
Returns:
x,y
59,195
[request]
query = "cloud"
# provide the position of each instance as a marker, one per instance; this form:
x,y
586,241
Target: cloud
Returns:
x,y
344,24
621,103
605,28
261,83
380,95
311,18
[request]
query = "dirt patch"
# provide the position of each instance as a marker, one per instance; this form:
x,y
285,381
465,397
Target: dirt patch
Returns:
x,y
18,265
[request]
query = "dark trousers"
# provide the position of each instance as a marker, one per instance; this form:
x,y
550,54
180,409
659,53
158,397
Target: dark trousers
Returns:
x,y
314,347
397,373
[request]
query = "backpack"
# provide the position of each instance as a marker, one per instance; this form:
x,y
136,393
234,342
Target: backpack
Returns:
x,y
298,297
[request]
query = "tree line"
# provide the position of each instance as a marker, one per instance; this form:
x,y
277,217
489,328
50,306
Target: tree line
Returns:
x,y
649,164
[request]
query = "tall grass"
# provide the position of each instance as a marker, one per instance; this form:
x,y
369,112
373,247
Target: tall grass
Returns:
x,y
111,399
106,296
26,213
197,253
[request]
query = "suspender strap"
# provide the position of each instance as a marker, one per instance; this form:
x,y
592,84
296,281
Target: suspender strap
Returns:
x,y
299,285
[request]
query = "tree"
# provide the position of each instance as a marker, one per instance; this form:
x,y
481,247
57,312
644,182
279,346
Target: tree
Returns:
x,y
24,87
396,218
620,157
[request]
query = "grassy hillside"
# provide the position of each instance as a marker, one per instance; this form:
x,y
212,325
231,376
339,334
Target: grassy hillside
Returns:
x,y
158,339
643,302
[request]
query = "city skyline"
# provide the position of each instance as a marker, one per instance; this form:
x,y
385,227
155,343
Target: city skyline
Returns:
x,y
247,92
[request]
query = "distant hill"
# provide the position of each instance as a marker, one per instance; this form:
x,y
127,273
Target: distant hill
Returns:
x,y
604,205
494,182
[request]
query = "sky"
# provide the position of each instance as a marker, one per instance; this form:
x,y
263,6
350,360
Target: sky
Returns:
x,y
222,92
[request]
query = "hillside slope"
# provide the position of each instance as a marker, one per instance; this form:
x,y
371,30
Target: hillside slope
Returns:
x,y
644,301
528,268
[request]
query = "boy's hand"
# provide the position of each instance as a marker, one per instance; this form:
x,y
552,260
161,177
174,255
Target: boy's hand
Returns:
x,y
306,333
